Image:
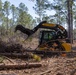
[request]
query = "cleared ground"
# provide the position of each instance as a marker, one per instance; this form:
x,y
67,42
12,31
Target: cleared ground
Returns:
x,y
54,65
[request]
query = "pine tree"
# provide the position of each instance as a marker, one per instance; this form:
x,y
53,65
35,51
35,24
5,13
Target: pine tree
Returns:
x,y
70,20
6,12
40,8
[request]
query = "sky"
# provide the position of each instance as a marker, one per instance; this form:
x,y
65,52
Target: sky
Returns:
x,y
29,5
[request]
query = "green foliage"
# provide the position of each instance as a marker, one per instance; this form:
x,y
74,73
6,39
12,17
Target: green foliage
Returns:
x,y
40,7
23,17
19,16
60,9
6,7
6,12
13,11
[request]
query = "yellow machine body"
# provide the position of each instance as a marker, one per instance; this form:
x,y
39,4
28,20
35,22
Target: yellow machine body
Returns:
x,y
49,25
53,25
49,42
67,46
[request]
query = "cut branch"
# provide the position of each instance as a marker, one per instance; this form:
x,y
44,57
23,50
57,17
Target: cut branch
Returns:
x,y
21,66
48,71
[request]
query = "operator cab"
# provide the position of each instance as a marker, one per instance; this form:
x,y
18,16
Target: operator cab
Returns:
x,y
46,36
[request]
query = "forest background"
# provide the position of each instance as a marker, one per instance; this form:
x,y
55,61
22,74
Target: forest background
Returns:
x,y
53,11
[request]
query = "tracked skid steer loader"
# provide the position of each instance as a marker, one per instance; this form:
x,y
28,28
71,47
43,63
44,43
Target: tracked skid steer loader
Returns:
x,y
52,38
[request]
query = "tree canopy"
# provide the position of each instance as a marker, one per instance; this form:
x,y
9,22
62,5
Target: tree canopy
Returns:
x,y
65,14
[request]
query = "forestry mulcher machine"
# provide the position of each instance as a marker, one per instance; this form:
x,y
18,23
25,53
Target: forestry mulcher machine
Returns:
x,y
53,37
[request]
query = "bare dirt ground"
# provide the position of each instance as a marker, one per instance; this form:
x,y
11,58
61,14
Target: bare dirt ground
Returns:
x,y
50,65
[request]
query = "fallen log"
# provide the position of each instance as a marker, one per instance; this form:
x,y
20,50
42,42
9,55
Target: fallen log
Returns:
x,y
18,55
49,53
41,53
20,66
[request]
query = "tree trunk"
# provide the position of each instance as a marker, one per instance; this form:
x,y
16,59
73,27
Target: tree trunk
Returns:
x,y
70,20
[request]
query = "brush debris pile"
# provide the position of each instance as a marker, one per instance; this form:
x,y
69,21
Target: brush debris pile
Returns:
x,y
10,47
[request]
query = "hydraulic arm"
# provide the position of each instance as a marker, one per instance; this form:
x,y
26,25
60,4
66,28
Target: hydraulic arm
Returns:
x,y
61,31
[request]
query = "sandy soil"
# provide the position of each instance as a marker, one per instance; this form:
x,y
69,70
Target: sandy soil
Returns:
x,y
50,65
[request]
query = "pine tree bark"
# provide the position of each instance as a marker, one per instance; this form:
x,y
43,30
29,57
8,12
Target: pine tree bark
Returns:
x,y
70,20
